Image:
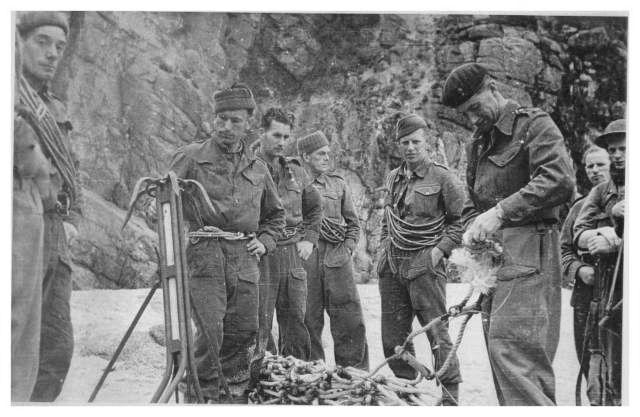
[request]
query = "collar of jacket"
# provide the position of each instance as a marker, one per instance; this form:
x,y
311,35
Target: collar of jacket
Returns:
x,y
421,171
507,118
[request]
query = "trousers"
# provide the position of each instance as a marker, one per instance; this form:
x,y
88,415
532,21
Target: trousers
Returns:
x,y
521,319
283,287
418,291
224,292
330,288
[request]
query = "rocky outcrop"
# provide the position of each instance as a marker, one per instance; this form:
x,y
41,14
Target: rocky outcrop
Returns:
x,y
139,85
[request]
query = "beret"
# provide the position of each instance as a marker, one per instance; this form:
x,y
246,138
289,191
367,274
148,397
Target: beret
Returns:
x,y
237,97
311,143
462,84
409,124
28,21
615,128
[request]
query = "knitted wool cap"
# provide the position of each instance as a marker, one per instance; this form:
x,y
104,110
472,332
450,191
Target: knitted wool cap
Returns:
x,y
615,128
409,124
462,84
237,97
311,143
27,21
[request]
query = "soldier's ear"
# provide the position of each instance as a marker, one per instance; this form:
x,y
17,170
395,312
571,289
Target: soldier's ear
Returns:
x,y
305,157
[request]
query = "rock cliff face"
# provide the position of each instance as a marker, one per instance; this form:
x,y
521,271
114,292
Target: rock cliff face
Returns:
x,y
139,85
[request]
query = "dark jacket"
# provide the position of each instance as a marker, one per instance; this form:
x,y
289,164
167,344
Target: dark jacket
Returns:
x,y
244,196
522,163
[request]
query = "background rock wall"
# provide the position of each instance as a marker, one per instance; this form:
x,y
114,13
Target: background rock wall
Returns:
x,y
138,85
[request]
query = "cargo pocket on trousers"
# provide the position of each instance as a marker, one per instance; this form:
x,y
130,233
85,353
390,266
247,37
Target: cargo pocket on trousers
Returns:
x,y
421,265
337,256
522,247
298,289
246,301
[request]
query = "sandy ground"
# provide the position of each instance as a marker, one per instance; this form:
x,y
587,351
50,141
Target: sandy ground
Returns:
x,y
101,317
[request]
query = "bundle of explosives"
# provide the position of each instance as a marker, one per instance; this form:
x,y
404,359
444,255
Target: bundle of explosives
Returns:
x,y
287,380
478,264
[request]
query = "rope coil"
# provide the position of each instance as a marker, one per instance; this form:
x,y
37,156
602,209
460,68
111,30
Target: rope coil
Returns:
x,y
412,237
332,231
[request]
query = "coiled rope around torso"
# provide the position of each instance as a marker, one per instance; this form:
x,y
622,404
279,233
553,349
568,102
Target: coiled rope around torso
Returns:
x,y
412,237
332,231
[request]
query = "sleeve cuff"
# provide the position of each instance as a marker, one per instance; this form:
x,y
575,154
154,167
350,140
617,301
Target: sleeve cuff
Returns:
x,y
268,242
311,236
513,207
446,245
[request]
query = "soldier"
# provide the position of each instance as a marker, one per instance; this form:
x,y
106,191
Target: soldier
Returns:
x,y
598,230
44,36
30,184
330,284
426,197
575,267
283,280
518,174
223,267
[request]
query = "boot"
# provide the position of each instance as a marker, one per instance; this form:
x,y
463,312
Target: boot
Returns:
x,y
449,394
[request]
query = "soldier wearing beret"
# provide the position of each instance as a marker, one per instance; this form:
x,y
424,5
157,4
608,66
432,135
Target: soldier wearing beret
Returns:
x,y
598,232
283,280
518,175
426,198
223,267
330,284
44,37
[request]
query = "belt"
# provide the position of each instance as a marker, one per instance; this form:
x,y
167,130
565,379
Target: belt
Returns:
x,y
212,232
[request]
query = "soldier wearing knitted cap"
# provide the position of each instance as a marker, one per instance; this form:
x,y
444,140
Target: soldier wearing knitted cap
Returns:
x,y
598,231
426,197
44,38
224,272
330,285
518,176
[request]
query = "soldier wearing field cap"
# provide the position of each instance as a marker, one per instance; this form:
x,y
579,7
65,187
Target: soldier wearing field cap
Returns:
x,y
426,198
44,38
330,284
598,232
518,175
223,260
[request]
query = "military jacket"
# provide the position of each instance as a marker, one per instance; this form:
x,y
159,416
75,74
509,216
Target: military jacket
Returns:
x,y
522,163
429,192
597,208
337,205
243,194
301,200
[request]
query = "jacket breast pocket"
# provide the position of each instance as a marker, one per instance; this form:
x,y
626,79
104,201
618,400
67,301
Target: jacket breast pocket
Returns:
x,y
507,155
426,199
294,200
331,204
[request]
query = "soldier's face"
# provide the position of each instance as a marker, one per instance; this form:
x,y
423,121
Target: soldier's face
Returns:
x,y
231,126
617,148
414,147
275,139
319,160
596,166
41,51
482,110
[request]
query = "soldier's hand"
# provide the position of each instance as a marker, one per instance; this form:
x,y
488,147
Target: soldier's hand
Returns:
x,y
70,231
304,249
485,225
598,245
618,209
255,247
587,274
436,256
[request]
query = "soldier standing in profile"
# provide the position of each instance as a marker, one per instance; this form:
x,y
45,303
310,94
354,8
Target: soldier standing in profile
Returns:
x,y
518,175
223,267
329,268
420,228
283,280
44,37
